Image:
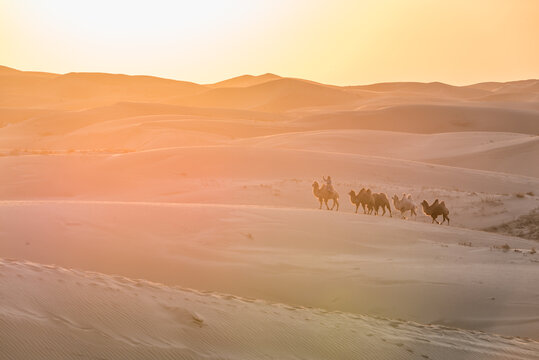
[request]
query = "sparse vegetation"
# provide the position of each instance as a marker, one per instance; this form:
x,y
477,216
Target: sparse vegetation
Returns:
x,y
526,226
491,201
465,243
519,195
533,251
530,193
505,247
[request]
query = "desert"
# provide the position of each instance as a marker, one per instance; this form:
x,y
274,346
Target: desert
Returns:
x,y
143,217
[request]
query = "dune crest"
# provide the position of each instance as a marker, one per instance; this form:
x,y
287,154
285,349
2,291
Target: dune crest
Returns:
x,y
139,319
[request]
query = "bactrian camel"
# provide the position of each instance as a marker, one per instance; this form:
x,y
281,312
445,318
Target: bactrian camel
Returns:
x,y
405,204
324,195
436,209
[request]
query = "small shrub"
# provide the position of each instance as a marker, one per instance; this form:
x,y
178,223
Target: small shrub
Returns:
x,y
491,201
519,195
532,251
466,243
530,193
505,247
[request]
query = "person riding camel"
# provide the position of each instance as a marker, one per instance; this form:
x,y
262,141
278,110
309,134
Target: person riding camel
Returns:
x,y
328,183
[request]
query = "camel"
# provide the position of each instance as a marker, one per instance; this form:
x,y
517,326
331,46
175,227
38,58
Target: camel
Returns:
x,y
436,209
365,199
405,204
355,200
324,195
381,201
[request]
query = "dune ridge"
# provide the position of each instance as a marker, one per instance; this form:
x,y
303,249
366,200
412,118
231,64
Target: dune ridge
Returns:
x,y
127,318
368,265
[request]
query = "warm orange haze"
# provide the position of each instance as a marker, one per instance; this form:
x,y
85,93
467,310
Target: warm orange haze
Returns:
x,y
289,214
343,42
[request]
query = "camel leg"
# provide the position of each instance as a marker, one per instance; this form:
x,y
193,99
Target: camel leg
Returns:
x,y
384,208
320,204
335,201
357,207
389,209
326,202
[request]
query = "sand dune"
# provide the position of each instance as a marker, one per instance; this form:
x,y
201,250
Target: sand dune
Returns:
x,y
132,172
430,119
508,152
81,90
367,265
430,89
276,95
245,80
227,174
268,92
126,318
209,187
515,158
531,85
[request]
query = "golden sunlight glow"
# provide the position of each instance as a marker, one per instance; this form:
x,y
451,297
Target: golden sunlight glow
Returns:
x,y
340,42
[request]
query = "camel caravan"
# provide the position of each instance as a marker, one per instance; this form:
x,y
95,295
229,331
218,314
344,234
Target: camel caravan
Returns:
x,y
373,203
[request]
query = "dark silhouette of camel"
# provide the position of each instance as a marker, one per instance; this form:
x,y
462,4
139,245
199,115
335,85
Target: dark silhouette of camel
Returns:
x,y
436,209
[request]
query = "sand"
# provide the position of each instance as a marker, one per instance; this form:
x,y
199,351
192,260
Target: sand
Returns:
x,y
68,313
108,178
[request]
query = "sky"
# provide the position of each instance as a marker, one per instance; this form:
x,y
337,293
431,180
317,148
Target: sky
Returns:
x,y
338,42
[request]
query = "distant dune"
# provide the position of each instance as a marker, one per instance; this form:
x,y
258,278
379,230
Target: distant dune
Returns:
x,y
276,95
266,92
245,80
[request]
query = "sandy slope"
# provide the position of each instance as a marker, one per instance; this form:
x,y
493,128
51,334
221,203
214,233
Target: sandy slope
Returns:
x,y
429,118
245,80
209,187
365,264
137,319
516,158
263,176
275,95
507,151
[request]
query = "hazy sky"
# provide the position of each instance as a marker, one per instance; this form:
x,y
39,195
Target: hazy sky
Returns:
x,y
338,41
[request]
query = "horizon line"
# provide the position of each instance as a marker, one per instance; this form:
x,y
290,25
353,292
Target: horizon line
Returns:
x,y
267,73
